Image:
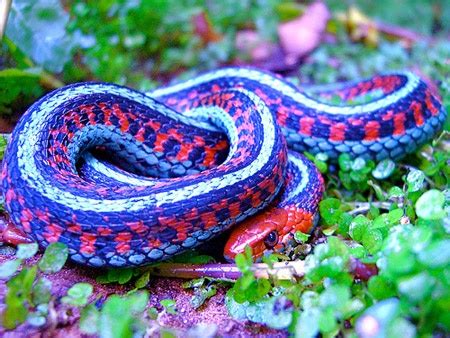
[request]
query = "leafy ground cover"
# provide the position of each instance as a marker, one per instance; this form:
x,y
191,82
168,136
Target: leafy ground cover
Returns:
x,y
378,263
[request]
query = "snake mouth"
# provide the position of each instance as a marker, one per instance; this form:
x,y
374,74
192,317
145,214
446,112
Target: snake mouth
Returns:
x,y
256,233
269,231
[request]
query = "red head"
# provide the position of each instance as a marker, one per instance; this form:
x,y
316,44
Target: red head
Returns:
x,y
268,231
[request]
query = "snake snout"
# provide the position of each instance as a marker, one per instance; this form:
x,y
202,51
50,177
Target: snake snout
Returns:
x,y
261,233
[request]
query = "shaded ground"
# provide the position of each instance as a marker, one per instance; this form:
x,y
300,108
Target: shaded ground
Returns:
x,y
212,317
64,321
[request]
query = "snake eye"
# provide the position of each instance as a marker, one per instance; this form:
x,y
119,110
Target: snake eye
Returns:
x,y
271,239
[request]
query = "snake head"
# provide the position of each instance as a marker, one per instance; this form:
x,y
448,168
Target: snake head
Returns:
x,y
269,231
260,232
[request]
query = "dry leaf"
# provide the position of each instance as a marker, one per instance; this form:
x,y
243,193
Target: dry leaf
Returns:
x,y
204,29
301,36
250,43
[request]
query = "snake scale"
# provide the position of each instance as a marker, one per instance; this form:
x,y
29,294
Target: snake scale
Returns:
x,y
126,178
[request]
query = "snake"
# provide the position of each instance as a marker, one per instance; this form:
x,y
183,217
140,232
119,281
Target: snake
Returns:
x,y
128,178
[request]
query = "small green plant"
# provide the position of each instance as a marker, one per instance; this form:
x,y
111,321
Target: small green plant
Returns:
x,y
28,292
380,264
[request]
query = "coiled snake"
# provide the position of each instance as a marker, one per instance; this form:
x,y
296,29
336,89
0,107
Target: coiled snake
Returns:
x,y
127,178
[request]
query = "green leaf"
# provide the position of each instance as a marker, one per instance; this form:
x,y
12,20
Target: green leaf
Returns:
x,y
272,312
3,141
169,305
372,240
39,29
345,162
16,85
152,313
54,258
167,333
384,169
395,192
321,157
8,268
377,318
329,210
241,262
25,251
327,321
18,297
115,319
194,283
121,316
430,205
436,255
201,295
358,176
377,189
380,288
357,250
344,223
193,257
415,179
301,237
394,216
322,166
358,227
320,161
143,280
138,301
400,263
42,291
416,288
121,276
329,260
89,319
335,296
78,294
125,275
358,164
346,180
308,323
400,327
38,317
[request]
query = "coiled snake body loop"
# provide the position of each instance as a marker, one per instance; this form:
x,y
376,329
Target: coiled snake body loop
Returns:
x,y
126,178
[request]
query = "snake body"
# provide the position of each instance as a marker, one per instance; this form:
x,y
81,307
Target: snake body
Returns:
x,y
126,178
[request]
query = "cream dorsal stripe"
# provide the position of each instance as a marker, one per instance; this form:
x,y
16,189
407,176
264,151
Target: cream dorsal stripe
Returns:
x,y
28,140
281,86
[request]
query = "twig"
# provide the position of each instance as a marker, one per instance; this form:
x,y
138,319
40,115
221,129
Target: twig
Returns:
x,y
229,272
49,81
398,32
363,207
5,6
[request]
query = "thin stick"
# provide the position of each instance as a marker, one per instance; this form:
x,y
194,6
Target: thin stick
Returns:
x,y
229,272
363,207
5,6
